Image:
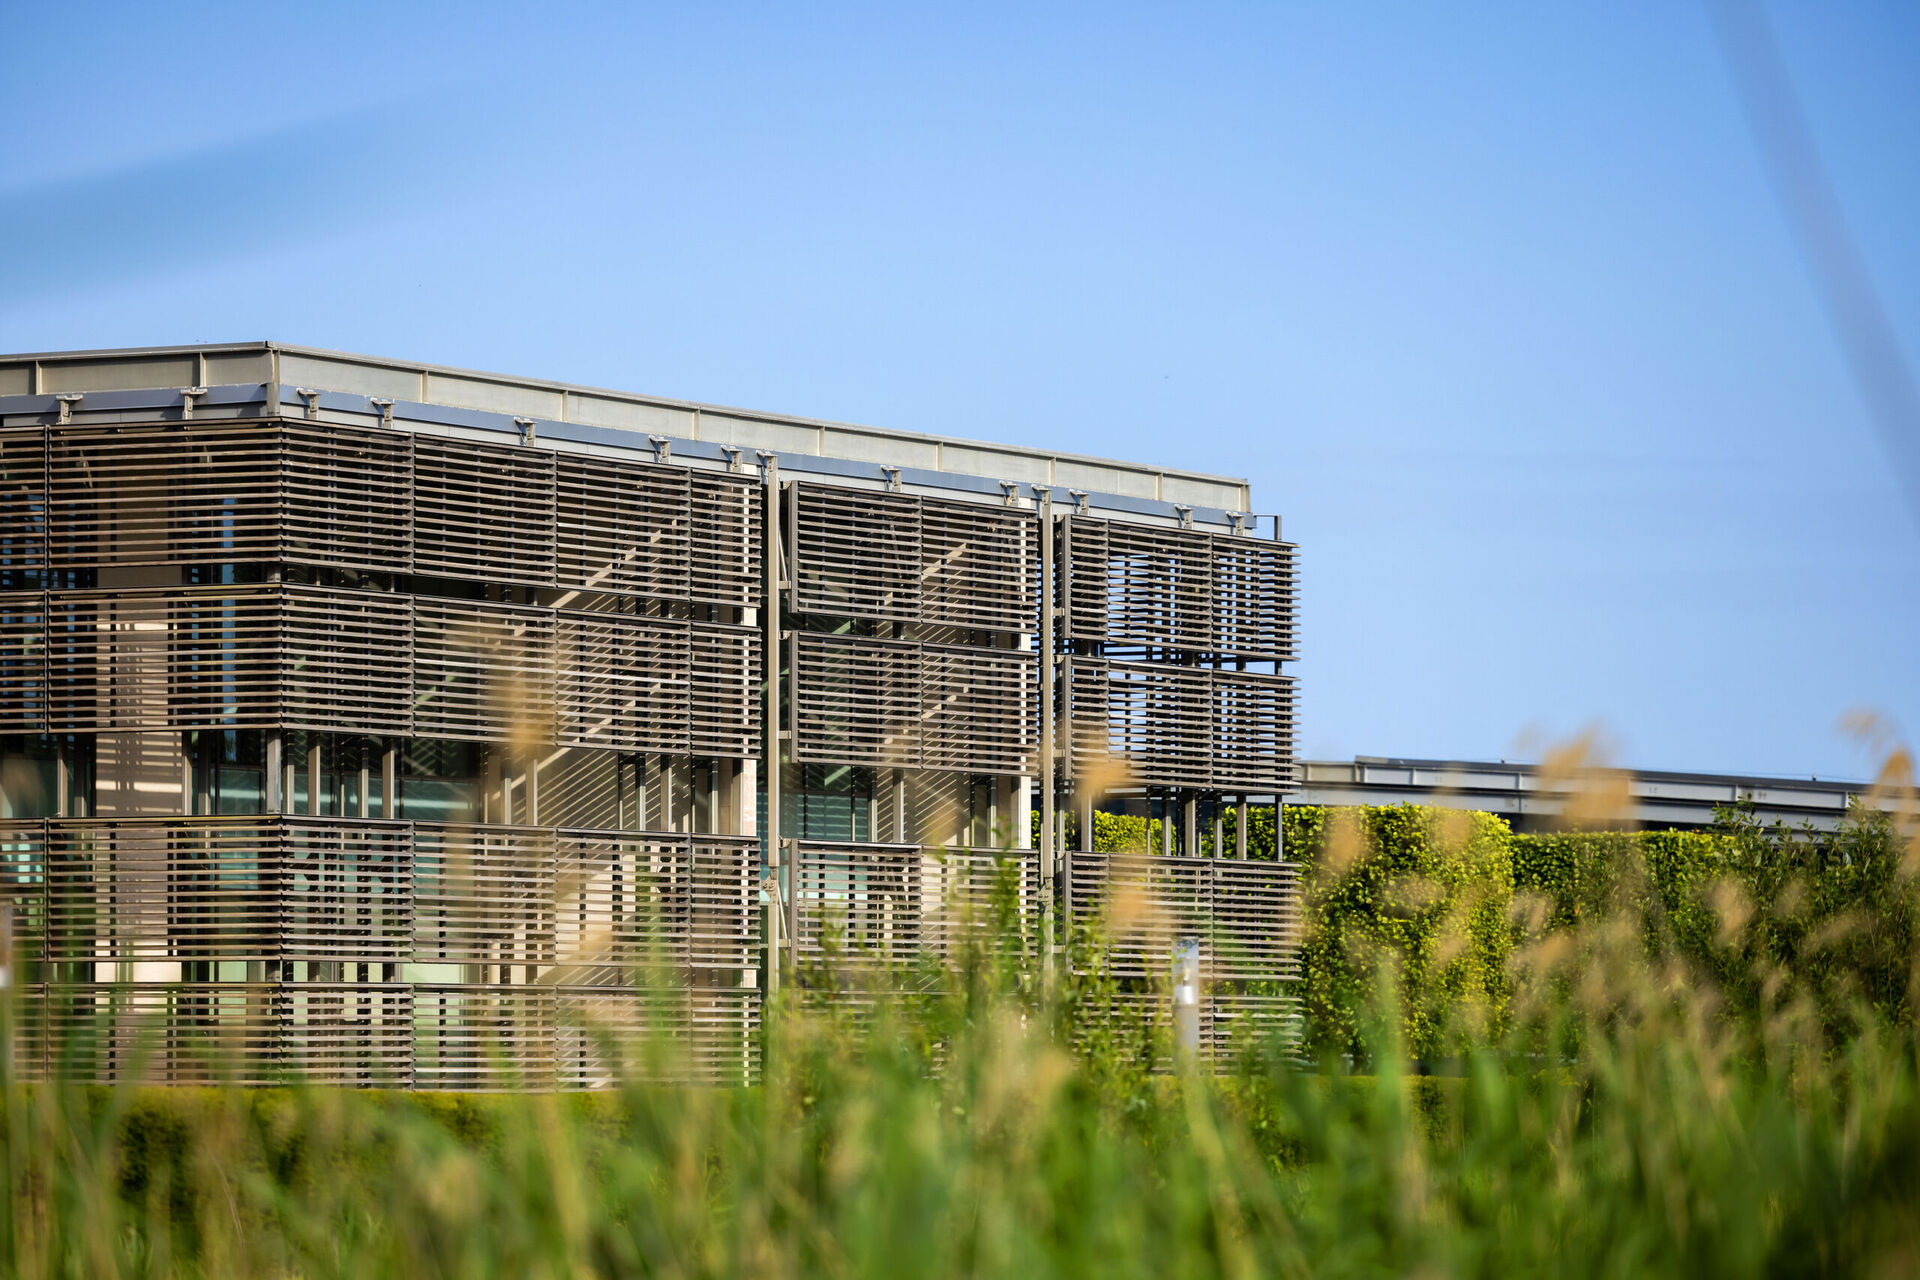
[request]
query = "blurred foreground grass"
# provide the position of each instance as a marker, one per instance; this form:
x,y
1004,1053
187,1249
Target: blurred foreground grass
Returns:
x,y
1626,1117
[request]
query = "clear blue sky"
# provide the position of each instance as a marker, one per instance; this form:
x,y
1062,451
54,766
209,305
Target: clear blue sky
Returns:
x,y
1494,303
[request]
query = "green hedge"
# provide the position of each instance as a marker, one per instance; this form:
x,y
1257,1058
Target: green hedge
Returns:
x,y
1417,899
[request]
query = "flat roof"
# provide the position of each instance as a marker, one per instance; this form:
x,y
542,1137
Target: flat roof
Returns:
x,y
285,366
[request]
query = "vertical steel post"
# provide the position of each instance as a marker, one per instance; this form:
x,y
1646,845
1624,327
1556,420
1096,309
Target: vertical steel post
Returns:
x,y
275,797
390,782
770,620
1240,830
1048,839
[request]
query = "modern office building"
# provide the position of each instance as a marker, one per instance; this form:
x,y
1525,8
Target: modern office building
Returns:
x,y
388,724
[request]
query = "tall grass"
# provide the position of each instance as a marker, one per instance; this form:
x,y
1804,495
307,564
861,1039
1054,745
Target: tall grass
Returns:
x,y
1629,1121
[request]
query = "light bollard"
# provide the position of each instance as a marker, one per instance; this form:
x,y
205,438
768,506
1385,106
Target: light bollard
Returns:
x,y
1186,1000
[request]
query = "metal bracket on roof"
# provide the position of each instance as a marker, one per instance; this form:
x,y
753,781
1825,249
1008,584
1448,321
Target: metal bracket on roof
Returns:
x,y
312,397
1079,497
187,396
526,426
385,407
1010,489
893,479
767,458
662,448
1186,515
1041,492
733,456
1233,521
67,401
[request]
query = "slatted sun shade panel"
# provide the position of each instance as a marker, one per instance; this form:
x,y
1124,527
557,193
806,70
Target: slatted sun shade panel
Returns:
x,y
345,661
1139,905
164,1033
976,713
856,700
623,681
482,672
483,895
23,662
634,904
156,659
347,494
483,511
606,1036
134,890
1256,921
620,907
859,905
1254,598
23,505
623,526
1239,1020
162,494
483,1037
724,545
855,553
975,894
979,566
1154,718
1138,585
1253,731
726,709
352,1034
344,890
